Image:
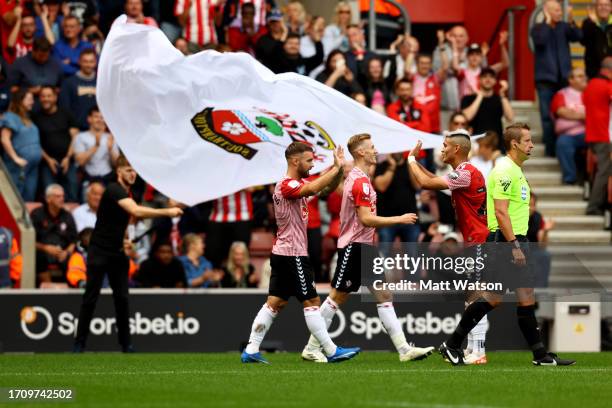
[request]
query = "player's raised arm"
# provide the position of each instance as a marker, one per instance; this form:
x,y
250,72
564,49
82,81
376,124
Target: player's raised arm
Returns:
x,y
328,181
424,178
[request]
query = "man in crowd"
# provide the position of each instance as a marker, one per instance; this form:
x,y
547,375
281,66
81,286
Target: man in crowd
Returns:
x,y
134,13
57,129
426,90
406,110
567,110
85,215
551,40
68,48
56,236
357,56
198,20
243,33
485,109
596,34
596,98
78,93
36,69
21,39
455,41
289,59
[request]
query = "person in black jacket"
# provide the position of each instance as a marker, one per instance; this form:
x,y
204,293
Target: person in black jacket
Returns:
x,y
597,36
288,58
338,75
162,269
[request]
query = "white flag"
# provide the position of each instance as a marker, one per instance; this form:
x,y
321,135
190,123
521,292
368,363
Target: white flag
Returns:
x,y
207,125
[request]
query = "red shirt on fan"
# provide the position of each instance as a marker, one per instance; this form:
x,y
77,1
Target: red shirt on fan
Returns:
x,y
291,212
596,98
357,192
469,197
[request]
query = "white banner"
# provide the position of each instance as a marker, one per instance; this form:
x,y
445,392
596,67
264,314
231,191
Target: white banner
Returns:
x,y
207,125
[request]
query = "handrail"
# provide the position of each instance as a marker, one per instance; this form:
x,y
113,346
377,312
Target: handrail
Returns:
x,y
25,217
372,21
501,20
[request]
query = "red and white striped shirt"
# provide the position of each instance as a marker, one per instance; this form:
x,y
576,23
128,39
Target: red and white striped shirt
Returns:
x,y
200,25
261,7
291,212
357,192
232,208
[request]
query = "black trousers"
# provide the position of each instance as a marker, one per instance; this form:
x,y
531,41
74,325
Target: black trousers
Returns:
x,y
117,268
221,235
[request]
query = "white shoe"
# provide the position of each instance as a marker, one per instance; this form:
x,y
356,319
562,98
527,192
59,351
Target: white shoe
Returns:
x,y
315,356
467,352
475,359
416,353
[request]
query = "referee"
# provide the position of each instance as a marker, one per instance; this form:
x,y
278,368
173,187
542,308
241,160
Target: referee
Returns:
x,y
106,253
507,218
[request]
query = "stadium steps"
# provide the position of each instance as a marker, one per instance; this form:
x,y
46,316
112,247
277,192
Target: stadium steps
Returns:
x,y
565,193
542,164
578,222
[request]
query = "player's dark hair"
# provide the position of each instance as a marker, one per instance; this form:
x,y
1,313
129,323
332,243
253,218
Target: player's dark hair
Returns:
x,y
355,141
514,132
297,148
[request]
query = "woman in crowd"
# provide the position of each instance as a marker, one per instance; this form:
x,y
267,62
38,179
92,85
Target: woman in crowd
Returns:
x,y
378,89
239,273
334,36
338,76
21,144
296,17
199,271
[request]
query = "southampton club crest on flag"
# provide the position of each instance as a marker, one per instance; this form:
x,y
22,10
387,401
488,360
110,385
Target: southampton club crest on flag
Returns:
x,y
238,131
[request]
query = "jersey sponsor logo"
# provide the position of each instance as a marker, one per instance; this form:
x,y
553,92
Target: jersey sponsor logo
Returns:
x,y
505,182
293,183
453,175
366,189
237,131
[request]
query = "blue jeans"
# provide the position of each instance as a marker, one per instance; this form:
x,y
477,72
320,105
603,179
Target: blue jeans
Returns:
x,y
406,233
68,181
545,96
566,152
25,178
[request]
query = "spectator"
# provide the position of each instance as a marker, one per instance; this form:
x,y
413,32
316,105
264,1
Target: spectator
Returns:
x,y
266,47
76,271
95,150
5,91
596,31
454,41
551,40
57,129
78,92
567,110
426,89
8,17
134,13
405,49
243,34
68,48
162,269
485,109
396,196
488,152
288,58
377,88
338,76
239,273
296,17
11,262
86,11
357,56
314,30
85,215
199,271
50,16
21,39
182,45
56,236
198,21
21,144
406,110
233,11
168,22
36,69
537,232
334,36
360,98
596,98
476,58
230,221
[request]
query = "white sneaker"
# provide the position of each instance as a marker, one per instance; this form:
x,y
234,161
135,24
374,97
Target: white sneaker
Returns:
x,y
475,359
416,353
315,356
467,352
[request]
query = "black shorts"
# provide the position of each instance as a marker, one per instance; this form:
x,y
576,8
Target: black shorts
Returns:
x,y
291,276
477,253
354,261
500,266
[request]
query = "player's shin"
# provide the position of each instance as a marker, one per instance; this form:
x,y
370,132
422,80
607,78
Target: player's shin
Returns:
x,y
316,325
261,325
472,315
386,313
328,311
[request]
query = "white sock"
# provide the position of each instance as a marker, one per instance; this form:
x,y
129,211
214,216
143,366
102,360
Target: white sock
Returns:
x,y
386,313
479,334
328,311
261,325
470,337
316,325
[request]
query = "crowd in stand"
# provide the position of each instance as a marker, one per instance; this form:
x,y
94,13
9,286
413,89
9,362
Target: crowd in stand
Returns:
x,y
59,152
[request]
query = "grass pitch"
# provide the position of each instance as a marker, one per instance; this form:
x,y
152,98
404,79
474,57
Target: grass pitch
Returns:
x,y
372,379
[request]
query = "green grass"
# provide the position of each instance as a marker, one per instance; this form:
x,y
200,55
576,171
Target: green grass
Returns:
x,y
371,380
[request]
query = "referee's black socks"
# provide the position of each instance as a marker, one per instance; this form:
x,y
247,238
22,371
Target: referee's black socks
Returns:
x,y
470,318
529,327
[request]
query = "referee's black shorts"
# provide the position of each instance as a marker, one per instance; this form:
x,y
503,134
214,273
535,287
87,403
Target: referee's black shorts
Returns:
x,y
500,266
291,276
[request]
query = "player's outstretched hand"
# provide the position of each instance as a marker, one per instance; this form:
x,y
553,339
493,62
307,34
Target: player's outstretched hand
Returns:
x,y
417,149
408,218
174,212
339,157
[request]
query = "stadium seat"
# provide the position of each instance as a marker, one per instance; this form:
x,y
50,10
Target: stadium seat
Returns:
x,y
261,244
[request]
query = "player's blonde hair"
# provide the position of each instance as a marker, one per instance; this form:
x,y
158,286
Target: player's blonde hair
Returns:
x,y
355,142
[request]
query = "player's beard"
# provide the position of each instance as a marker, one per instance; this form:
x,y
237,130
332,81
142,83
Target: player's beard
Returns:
x,y
303,172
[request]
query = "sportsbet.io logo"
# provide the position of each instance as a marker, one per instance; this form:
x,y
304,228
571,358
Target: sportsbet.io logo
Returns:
x,y
236,131
36,322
